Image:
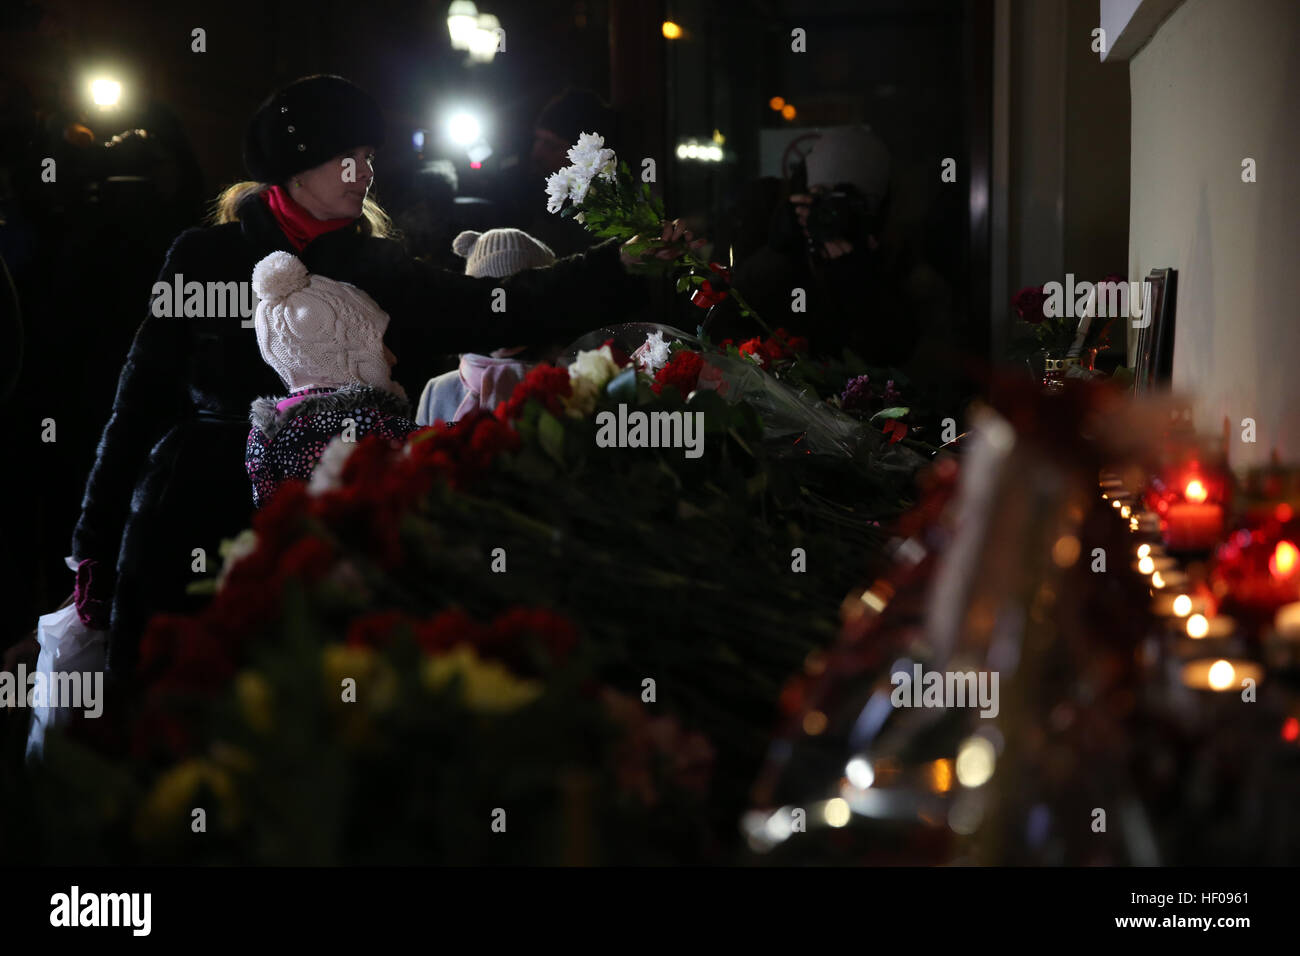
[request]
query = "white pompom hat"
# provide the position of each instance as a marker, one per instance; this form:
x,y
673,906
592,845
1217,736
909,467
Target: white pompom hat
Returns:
x,y
500,252
316,331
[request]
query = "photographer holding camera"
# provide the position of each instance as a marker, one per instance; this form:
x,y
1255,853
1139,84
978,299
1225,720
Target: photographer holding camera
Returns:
x,y
825,237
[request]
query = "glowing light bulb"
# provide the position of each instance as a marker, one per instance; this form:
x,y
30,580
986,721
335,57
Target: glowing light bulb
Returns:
x,y
860,773
975,760
837,812
105,92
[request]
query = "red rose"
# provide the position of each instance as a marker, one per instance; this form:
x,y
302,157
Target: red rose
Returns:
x,y
682,371
1030,304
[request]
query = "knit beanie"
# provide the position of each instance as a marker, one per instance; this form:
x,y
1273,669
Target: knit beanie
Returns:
x,y
308,122
318,331
850,155
500,252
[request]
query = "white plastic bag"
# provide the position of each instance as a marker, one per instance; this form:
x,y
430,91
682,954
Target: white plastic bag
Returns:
x,y
67,646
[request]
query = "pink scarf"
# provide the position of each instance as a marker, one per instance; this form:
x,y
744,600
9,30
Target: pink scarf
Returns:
x,y
490,381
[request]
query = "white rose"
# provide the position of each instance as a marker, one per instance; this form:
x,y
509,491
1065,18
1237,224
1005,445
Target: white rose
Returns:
x,y
596,366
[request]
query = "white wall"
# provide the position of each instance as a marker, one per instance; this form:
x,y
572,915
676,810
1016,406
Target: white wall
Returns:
x,y
1220,81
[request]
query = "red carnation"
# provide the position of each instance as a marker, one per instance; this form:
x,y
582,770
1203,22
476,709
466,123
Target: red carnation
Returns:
x,y
375,629
707,296
444,631
545,383
759,350
682,371
895,429
621,358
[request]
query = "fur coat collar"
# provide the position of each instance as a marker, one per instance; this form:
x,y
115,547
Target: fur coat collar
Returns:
x,y
265,416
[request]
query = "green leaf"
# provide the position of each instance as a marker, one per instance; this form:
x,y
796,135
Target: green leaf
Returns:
x,y
898,411
550,434
622,387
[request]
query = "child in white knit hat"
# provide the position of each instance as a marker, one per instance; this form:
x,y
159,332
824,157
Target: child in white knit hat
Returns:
x,y
325,339
483,381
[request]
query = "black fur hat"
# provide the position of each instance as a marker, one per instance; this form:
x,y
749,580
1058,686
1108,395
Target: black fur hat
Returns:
x,y
308,122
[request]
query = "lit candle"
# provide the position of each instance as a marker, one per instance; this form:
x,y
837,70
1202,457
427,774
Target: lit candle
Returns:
x,y
1193,527
1177,605
1172,580
1151,564
1220,674
1287,621
1200,627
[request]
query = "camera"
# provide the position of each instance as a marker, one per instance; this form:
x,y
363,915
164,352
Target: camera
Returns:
x,y
843,213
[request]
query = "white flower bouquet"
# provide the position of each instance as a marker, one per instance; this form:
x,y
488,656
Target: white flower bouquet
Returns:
x,y
598,190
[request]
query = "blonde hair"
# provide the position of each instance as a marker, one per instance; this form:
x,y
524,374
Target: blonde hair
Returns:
x,y
374,221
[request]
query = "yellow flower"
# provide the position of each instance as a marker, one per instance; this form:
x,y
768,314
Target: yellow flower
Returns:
x,y
167,812
254,696
486,686
375,681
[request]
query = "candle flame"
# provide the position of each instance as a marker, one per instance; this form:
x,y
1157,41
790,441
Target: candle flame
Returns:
x,y
1146,565
1198,626
1284,558
1221,675
1195,491
1182,605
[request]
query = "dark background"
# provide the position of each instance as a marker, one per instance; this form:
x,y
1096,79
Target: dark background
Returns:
x,y
83,251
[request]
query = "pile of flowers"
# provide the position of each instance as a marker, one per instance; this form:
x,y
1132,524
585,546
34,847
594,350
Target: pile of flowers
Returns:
x,y
495,613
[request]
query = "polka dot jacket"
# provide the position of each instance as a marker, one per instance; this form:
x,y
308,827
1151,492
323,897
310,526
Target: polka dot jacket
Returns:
x,y
287,442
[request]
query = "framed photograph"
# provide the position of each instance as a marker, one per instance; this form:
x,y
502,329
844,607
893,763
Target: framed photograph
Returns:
x,y
1153,362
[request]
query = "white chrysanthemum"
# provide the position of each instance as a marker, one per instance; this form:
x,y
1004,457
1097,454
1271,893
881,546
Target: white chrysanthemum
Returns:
x,y
558,187
328,475
584,153
234,551
653,353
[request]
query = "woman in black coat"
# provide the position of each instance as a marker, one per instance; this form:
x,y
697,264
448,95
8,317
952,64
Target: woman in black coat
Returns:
x,y
168,484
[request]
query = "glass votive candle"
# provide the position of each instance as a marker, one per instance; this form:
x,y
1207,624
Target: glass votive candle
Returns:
x,y
1175,582
1152,563
1282,645
1220,675
1180,604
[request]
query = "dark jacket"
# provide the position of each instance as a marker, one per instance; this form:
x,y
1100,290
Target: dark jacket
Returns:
x,y
169,475
287,443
